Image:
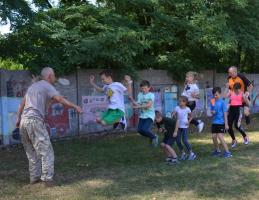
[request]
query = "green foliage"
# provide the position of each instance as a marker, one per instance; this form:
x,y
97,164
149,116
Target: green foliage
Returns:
x,y
177,35
10,65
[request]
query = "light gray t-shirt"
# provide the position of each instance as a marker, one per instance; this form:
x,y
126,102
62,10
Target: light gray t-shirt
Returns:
x,y
37,99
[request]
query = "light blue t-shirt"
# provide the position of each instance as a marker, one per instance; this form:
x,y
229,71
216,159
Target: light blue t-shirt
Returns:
x,y
146,113
220,108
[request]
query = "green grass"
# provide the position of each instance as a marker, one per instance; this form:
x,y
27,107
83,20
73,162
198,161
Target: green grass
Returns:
x,y
125,167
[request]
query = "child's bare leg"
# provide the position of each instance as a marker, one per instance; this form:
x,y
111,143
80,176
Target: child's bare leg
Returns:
x,y
223,142
163,145
171,151
215,141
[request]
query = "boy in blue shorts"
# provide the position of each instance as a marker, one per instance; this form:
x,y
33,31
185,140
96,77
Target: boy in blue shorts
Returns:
x,y
115,94
218,109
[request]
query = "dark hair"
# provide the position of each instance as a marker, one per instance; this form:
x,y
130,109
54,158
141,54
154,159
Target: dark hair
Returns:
x,y
184,98
237,86
144,83
158,113
107,73
215,90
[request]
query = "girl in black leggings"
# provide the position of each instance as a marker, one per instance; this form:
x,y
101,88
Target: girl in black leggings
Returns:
x,y
237,98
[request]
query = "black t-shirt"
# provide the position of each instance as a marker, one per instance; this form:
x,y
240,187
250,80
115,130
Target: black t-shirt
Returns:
x,y
168,124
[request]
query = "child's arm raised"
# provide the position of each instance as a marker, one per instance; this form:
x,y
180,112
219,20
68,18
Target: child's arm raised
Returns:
x,y
99,89
226,92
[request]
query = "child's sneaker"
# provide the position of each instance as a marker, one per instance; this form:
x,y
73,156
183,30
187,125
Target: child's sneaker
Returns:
x,y
173,161
155,141
192,156
234,143
216,153
227,155
246,140
183,156
201,126
168,159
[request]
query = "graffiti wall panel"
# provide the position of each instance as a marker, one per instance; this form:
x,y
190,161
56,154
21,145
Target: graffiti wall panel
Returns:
x,y
61,120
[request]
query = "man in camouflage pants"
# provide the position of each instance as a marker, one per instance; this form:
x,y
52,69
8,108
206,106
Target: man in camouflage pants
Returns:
x,y
34,135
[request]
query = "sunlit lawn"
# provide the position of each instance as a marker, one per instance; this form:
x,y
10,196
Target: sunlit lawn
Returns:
x,y
125,167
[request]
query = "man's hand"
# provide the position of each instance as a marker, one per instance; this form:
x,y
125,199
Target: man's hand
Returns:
x,y
78,109
92,78
175,134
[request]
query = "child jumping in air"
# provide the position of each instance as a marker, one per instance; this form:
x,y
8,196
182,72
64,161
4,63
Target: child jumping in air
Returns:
x,y
218,109
184,117
191,91
115,94
145,103
237,98
167,126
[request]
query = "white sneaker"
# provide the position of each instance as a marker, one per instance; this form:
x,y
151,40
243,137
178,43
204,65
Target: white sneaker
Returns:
x,y
201,126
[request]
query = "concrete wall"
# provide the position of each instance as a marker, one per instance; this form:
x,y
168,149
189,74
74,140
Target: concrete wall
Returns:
x,y
63,121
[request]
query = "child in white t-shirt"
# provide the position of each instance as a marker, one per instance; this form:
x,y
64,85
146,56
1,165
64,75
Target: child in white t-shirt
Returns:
x,y
191,91
115,94
184,117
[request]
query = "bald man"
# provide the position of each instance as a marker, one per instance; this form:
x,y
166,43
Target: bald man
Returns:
x,y
34,134
246,87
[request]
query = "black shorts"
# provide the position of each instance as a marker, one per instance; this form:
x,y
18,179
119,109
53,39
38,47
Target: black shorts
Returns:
x,y
191,105
169,140
218,128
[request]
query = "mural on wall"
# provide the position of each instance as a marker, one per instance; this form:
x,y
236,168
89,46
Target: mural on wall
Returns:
x,y
61,120
255,99
158,97
16,88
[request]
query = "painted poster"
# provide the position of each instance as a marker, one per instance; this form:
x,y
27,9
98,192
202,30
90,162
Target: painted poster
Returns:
x,y
58,122
93,106
255,99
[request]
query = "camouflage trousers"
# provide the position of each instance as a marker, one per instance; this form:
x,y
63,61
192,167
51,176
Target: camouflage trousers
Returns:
x,y
38,148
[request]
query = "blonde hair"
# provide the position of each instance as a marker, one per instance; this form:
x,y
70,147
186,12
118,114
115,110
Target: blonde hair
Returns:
x,y
193,74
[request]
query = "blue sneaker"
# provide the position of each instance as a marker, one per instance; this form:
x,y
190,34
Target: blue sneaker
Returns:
x,y
192,156
227,155
216,153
